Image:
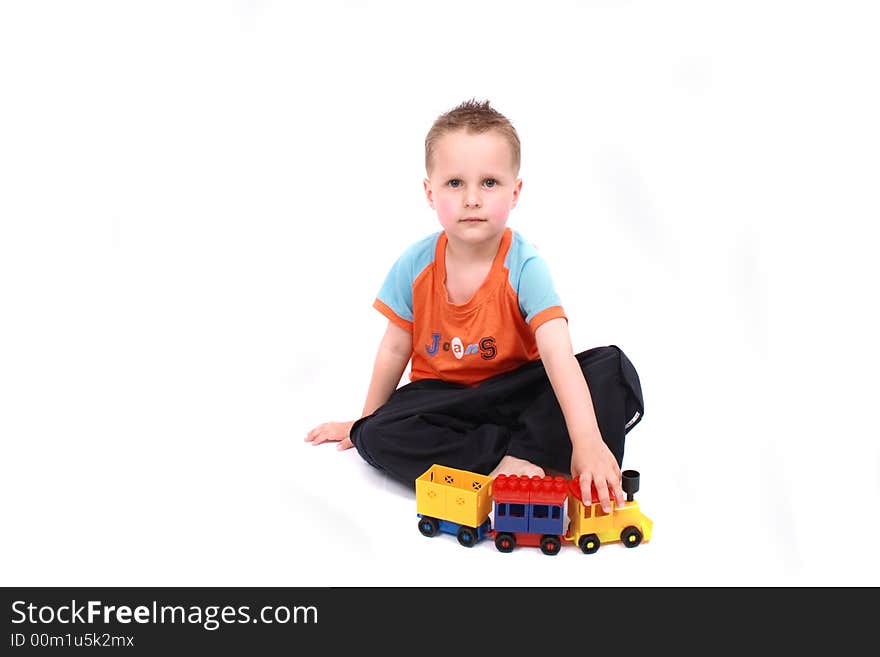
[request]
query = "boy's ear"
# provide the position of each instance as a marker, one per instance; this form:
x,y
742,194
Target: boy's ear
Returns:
x,y
428,193
517,186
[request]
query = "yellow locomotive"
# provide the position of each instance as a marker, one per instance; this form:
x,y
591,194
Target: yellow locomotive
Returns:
x,y
589,526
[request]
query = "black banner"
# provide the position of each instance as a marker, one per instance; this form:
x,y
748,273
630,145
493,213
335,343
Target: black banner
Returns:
x,y
286,620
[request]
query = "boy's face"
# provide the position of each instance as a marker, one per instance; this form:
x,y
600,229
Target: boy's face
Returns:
x,y
473,185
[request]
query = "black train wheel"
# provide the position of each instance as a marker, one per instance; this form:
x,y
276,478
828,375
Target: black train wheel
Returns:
x,y
428,526
631,536
550,545
589,543
467,536
505,542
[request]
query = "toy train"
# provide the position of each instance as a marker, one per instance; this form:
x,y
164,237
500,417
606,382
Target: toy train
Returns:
x,y
527,511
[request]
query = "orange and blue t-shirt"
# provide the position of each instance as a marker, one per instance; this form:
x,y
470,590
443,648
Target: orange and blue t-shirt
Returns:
x,y
494,332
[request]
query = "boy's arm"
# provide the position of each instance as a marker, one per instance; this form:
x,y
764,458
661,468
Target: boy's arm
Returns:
x,y
591,460
394,353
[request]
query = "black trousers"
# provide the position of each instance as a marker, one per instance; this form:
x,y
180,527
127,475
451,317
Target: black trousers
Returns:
x,y
473,427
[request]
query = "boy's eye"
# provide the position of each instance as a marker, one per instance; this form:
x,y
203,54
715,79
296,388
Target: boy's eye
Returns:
x,y
455,182
490,182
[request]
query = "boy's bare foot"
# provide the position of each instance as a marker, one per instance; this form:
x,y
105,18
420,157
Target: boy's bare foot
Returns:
x,y
510,465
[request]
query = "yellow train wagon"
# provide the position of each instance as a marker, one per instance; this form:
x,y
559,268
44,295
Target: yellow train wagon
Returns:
x,y
454,502
589,526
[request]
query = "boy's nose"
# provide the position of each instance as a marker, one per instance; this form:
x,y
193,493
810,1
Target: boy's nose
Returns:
x,y
472,202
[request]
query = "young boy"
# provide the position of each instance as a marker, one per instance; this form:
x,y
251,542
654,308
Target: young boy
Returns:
x,y
495,386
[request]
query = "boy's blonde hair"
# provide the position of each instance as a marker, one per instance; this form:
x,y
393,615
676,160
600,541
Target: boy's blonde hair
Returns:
x,y
476,117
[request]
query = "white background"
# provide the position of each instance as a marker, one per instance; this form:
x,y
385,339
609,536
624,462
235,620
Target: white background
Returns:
x,y
199,201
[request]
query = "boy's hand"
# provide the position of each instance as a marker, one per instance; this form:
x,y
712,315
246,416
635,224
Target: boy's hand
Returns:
x,y
331,431
593,463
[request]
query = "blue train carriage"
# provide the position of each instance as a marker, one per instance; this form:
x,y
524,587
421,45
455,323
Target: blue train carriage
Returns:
x,y
529,511
589,526
454,502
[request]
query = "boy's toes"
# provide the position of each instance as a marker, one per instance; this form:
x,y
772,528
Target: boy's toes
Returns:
x,y
511,465
532,470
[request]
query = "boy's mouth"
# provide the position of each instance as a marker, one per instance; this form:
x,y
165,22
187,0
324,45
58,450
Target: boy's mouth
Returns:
x,y
472,220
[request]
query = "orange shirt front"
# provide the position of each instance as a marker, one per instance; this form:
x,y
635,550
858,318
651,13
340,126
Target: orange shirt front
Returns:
x,y
494,332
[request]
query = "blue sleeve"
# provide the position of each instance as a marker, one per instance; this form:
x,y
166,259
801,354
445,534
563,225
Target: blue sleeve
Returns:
x,y
536,292
397,290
